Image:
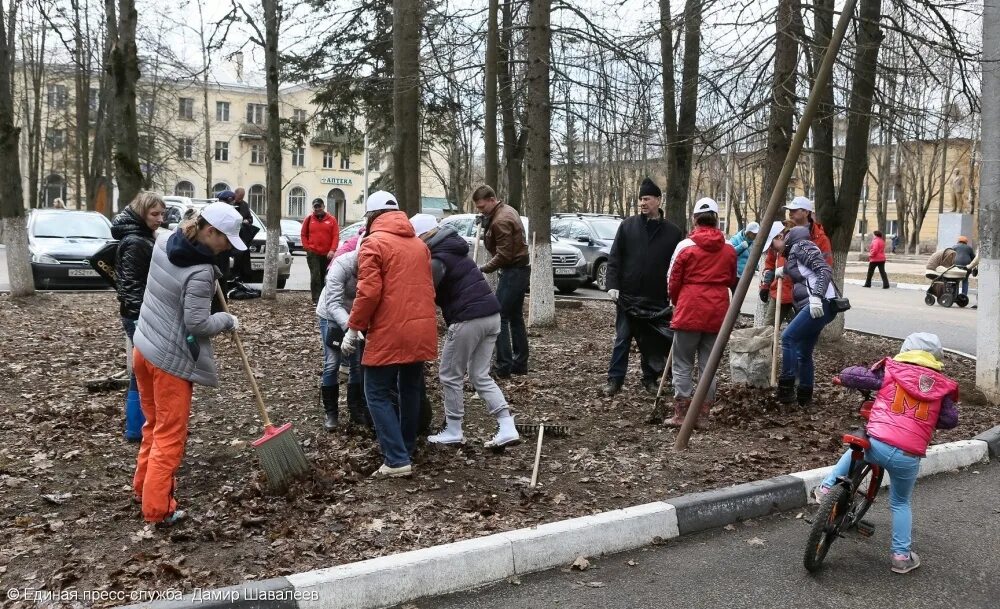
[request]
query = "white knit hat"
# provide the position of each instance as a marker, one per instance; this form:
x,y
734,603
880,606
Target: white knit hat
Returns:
x,y
423,223
380,200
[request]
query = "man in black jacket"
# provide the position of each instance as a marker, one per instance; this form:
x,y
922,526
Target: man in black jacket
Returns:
x,y
637,270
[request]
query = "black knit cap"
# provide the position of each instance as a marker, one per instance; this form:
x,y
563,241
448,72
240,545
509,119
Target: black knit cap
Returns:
x,y
649,189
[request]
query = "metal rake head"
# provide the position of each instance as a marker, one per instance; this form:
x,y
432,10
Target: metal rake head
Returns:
x,y
531,429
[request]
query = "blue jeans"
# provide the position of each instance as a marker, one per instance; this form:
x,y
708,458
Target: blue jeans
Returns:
x,y
653,349
397,432
331,357
512,343
129,326
902,469
798,341
965,286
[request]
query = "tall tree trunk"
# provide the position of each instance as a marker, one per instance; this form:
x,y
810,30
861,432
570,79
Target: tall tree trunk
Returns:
x,y
682,146
81,81
99,184
272,25
513,143
13,223
538,109
780,125
669,93
33,56
406,26
125,69
490,116
822,126
206,60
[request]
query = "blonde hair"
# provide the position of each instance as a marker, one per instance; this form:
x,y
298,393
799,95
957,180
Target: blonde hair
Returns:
x,y
192,225
144,202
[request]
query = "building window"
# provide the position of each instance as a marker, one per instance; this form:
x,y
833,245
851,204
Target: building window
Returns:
x,y
327,159
863,227
299,116
147,144
256,199
222,111
93,101
55,139
374,161
145,107
221,151
891,196
57,96
257,154
185,108
219,187
892,227
297,202
299,157
55,188
256,113
345,161
184,189
185,148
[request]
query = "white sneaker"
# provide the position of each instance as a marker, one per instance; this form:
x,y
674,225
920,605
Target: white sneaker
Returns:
x,y
451,434
507,434
385,471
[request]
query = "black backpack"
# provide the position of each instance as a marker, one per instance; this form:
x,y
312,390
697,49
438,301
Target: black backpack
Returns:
x,y
103,261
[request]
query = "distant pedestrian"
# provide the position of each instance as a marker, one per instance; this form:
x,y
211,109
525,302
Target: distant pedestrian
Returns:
x,y
964,255
472,313
895,243
173,348
394,308
876,260
742,242
57,203
506,242
702,269
637,281
813,290
320,238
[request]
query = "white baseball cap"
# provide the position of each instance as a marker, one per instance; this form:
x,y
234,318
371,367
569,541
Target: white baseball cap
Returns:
x,y
380,200
801,203
705,205
224,218
753,227
776,228
423,223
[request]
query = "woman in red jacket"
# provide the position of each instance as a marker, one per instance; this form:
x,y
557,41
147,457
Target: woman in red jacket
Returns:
x,y
876,260
703,268
395,309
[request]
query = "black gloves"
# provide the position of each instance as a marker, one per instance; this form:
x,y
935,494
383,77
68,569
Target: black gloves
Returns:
x,y
764,295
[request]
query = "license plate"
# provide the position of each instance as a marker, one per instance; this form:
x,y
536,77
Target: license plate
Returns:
x,y
565,271
83,273
256,266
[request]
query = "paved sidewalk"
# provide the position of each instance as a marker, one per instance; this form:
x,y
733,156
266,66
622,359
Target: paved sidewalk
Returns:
x,y
759,564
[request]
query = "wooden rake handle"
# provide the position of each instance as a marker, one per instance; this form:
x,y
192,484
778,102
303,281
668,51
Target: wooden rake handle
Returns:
x,y
777,326
538,455
246,362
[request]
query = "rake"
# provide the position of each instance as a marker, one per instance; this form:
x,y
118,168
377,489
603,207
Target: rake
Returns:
x,y
280,454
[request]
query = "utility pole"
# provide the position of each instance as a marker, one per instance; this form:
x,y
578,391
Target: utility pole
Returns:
x,y
988,315
946,134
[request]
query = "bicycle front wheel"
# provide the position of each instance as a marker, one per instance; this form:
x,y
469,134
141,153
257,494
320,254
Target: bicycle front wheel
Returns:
x,y
826,526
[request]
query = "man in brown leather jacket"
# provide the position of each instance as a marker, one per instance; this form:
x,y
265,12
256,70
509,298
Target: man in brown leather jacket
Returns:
x,y
505,241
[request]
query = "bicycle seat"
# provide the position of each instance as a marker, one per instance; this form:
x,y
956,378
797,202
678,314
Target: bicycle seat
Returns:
x,y
858,439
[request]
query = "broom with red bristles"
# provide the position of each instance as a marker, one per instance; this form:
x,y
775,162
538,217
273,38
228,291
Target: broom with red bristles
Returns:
x,y
279,453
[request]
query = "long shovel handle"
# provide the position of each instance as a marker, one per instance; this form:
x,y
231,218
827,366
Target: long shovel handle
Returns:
x,y
777,327
663,377
246,362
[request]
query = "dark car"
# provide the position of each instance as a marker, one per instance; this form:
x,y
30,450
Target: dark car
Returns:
x,y
569,270
291,229
593,235
61,243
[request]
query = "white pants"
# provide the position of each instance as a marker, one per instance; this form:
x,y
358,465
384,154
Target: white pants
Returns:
x,y
468,347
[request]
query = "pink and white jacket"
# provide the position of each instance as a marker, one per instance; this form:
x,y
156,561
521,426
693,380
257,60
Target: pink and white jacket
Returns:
x,y
909,403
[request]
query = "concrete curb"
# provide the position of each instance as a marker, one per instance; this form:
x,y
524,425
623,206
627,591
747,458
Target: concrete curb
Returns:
x,y
400,578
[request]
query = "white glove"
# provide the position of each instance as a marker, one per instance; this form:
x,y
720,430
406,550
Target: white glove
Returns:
x,y
779,272
350,342
235,320
815,307
613,294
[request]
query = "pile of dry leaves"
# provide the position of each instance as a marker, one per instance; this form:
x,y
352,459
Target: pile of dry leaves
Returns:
x,y
67,520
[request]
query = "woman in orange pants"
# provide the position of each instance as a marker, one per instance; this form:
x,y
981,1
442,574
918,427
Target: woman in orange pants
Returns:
x,y
173,348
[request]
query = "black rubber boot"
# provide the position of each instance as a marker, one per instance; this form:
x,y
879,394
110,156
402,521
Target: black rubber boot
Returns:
x,y
612,387
331,395
357,408
786,391
804,395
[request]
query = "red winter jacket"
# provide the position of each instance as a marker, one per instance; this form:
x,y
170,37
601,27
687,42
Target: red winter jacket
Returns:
x,y
703,268
320,236
876,253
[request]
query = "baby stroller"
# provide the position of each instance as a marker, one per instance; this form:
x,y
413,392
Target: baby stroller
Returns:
x,y
946,279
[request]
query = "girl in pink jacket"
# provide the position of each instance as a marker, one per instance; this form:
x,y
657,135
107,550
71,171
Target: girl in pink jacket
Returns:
x,y
913,399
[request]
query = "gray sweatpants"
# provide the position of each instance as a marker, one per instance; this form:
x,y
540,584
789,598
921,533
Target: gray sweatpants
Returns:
x,y
686,344
468,347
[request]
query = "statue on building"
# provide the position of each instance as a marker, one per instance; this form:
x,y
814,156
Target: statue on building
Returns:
x,y
957,192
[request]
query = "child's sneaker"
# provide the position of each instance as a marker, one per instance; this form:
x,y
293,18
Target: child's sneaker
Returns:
x,y
905,564
171,520
403,471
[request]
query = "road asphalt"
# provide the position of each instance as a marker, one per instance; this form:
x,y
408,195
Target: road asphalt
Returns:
x,y
758,564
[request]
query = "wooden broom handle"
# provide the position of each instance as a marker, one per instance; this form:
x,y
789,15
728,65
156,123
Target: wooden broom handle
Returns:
x,y
246,362
777,326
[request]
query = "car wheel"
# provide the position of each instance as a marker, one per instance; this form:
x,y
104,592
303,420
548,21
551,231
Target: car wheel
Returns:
x,y
566,289
601,276
281,282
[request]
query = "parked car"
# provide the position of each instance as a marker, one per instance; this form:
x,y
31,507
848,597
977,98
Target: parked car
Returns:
x,y
291,229
175,213
569,267
593,235
349,231
61,243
